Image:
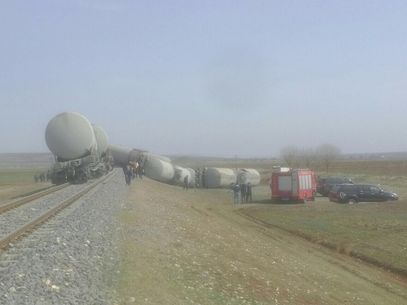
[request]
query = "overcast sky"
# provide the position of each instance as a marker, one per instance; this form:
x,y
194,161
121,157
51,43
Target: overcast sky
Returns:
x,y
219,78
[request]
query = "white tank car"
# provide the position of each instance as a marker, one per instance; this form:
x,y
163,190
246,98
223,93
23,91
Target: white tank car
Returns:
x,y
181,173
70,136
248,175
162,158
101,139
120,155
123,155
219,177
192,177
159,170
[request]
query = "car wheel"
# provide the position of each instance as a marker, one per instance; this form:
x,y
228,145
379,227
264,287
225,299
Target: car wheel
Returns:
x,y
352,201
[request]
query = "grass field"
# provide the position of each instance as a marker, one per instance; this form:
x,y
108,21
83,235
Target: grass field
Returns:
x,y
15,182
376,232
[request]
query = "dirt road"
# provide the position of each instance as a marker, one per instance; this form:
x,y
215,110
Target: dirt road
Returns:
x,y
191,247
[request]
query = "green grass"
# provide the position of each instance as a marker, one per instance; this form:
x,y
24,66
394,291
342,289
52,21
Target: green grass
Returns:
x,y
18,182
17,176
376,232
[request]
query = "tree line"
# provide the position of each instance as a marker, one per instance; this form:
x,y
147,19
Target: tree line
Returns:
x,y
321,156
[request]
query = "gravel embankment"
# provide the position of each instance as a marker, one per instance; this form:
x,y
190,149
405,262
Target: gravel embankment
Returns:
x,y
14,219
72,258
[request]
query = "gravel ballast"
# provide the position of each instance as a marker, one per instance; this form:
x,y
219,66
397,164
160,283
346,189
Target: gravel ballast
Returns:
x,y
72,258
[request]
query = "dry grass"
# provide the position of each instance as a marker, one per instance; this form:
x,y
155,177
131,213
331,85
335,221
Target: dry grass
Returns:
x,y
191,247
16,182
376,232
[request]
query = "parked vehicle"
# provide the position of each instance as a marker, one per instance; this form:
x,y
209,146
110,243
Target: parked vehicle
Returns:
x,y
324,185
293,184
353,193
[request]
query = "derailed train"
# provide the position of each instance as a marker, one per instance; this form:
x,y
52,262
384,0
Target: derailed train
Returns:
x,y
161,168
82,152
80,149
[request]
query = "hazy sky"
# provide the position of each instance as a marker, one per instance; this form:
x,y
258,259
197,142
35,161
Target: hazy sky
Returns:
x,y
218,78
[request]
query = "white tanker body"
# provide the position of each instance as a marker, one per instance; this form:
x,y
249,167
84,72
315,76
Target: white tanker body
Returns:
x,y
215,177
71,138
102,140
181,173
192,179
155,167
123,155
158,169
248,175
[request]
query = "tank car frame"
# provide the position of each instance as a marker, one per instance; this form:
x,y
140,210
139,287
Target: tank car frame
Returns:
x,y
80,170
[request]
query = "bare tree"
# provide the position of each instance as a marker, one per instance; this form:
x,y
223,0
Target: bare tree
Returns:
x,y
308,157
327,154
290,154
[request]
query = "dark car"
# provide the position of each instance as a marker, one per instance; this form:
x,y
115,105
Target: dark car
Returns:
x,y
352,193
324,185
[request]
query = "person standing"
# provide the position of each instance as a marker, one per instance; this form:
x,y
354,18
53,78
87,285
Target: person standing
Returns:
x,y
186,183
236,193
249,192
127,171
243,191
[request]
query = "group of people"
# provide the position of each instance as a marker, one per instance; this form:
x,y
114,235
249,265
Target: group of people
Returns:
x,y
133,170
42,177
242,192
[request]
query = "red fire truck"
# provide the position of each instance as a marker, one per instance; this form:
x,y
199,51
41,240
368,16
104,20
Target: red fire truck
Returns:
x,y
293,184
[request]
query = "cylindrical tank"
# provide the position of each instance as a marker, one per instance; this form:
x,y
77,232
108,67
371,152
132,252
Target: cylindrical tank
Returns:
x,y
181,173
248,175
162,158
158,169
192,177
70,136
101,139
123,155
219,177
120,155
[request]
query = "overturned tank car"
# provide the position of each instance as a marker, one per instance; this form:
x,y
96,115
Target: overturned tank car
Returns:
x,y
80,149
248,175
154,166
214,177
122,155
158,169
182,173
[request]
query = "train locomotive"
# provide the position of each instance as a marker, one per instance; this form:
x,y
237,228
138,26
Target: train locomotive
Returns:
x,y
80,149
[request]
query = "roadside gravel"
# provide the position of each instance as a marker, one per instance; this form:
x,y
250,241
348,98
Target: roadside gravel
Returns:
x,y
71,259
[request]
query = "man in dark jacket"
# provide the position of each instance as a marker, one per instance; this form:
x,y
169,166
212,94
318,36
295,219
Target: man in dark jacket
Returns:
x,y
249,192
243,192
186,183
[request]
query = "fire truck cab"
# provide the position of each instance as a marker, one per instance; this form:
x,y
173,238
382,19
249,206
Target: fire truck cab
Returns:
x,y
293,184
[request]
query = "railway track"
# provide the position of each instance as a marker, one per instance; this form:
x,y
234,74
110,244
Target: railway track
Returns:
x,y
12,204
51,210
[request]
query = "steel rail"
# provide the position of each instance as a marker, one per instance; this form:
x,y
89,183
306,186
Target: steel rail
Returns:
x,y
5,242
20,201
